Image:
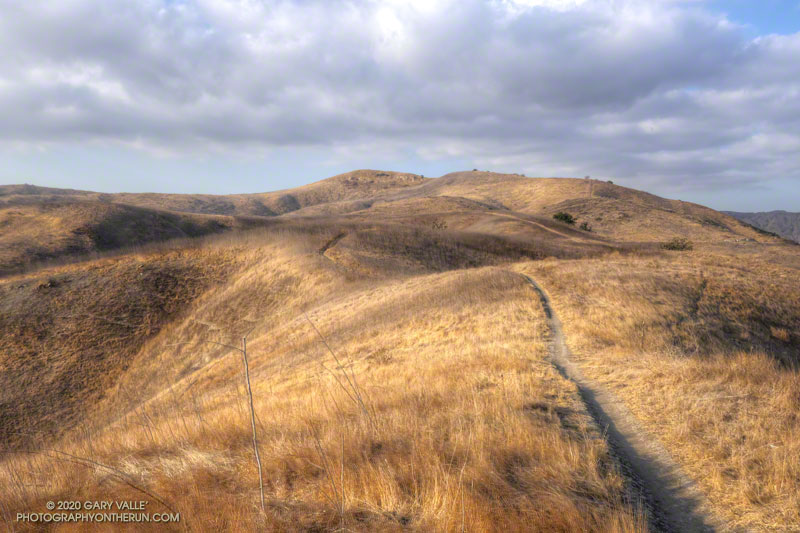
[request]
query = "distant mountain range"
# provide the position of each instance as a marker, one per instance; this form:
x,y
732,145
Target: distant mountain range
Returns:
x,y
783,223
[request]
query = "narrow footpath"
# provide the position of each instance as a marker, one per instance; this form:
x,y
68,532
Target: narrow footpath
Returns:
x,y
672,500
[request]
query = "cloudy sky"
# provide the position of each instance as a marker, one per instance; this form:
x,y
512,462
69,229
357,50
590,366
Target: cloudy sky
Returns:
x,y
692,99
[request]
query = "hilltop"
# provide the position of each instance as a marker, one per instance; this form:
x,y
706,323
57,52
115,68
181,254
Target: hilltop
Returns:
x,y
348,186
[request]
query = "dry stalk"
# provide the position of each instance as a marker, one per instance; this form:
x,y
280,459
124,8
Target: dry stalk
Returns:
x,y
352,390
243,351
253,421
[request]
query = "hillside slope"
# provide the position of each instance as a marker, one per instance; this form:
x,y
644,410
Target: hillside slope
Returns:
x,y
377,435
39,231
611,210
70,333
399,361
438,360
41,223
782,223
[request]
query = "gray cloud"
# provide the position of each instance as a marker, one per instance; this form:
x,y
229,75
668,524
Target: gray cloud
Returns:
x,y
630,88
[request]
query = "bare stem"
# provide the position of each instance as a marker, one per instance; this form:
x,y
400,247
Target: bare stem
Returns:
x,y
253,421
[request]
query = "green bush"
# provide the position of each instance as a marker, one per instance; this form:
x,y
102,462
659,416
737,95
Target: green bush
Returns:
x,y
566,218
585,226
678,243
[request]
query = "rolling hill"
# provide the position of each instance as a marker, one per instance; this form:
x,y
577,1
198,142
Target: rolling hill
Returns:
x,y
350,186
406,338
42,229
43,223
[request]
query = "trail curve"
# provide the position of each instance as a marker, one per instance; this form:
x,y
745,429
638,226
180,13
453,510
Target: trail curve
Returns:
x,y
672,500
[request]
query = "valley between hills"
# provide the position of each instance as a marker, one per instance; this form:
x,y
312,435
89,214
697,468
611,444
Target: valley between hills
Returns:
x,y
474,352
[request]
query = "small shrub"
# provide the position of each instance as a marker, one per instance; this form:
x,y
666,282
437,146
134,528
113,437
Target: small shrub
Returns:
x,y
438,224
51,282
585,226
678,243
611,182
564,217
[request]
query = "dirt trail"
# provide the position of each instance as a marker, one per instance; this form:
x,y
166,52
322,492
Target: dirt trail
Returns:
x,y
540,225
672,501
331,243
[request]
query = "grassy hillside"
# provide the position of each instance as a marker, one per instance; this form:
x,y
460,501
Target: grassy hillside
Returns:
x,y
705,349
612,211
36,232
352,185
69,333
40,223
383,435
399,360
79,221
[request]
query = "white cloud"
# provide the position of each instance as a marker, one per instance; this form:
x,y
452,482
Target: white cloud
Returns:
x,y
609,87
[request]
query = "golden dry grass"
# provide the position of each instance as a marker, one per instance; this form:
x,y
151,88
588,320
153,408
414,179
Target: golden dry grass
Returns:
x,y
445,414
464,425
70,332
703,348
41,231
614,211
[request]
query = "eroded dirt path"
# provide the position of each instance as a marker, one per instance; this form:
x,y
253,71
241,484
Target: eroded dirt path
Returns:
x,y
331,243
541,226
672,501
